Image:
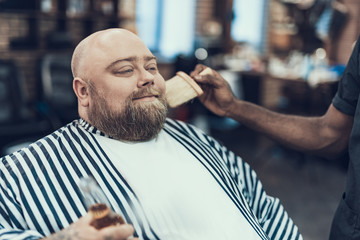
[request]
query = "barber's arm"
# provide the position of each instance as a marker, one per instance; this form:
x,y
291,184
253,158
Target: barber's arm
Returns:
x,y
325,135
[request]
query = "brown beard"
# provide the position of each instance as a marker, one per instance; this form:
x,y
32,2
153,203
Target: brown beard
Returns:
x,y
141,121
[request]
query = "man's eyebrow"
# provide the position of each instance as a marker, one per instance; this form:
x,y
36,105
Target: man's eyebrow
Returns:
x,y
148,58
130,59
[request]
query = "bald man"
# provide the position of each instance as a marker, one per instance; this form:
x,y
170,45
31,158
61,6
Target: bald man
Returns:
x,y
166,178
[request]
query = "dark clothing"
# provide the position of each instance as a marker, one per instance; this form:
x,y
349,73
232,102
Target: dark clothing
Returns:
x,y
346,223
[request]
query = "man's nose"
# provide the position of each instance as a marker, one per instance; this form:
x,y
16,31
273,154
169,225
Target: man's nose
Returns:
x,y
146,78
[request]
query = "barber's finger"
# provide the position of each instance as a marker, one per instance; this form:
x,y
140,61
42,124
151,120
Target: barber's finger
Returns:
x,y
198,68
208,76
122,231
206,71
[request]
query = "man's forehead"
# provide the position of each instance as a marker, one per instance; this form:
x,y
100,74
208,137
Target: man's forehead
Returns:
x,y
115,43
106,48
115,37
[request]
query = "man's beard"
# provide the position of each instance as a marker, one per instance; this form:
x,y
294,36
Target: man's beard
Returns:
x,y
141,121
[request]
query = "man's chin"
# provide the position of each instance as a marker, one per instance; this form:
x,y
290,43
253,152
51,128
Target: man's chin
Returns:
x,y
139,121
146,103
152,105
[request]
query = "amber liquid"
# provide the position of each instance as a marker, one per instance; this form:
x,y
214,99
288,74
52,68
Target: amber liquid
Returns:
x,y
103,216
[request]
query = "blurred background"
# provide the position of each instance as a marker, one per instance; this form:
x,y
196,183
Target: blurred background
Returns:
x,y
286,55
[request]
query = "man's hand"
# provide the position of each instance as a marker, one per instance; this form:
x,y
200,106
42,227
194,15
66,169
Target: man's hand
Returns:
x,y
81,230
217,96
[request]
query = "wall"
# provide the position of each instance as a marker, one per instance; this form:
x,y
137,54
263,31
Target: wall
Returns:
x,y
15,25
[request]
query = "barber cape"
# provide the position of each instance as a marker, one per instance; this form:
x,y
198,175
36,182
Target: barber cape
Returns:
x,y
39,192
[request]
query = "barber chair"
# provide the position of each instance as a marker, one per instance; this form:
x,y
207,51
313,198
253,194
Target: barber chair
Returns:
x,y
56,84
20,122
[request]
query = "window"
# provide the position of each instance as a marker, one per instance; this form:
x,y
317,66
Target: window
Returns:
x,y
166,26
249,22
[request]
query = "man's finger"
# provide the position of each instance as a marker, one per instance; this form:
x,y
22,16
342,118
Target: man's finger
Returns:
x,y
86,219
122,231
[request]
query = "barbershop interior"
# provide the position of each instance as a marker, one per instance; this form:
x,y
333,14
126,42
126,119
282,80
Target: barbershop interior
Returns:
x,y
284,55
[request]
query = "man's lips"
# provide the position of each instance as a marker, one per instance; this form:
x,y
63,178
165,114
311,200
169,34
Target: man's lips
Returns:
x,y
146,98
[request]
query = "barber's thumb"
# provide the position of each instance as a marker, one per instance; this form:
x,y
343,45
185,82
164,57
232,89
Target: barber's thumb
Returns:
x,y
199,68
206,71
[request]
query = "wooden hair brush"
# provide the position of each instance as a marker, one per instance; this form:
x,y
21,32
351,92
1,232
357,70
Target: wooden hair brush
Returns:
x,y
182,88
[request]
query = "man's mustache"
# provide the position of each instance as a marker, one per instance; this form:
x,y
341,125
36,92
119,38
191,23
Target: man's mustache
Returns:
x,y
146,92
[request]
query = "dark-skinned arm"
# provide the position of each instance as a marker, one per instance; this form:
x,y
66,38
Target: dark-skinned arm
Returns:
x,y
325,135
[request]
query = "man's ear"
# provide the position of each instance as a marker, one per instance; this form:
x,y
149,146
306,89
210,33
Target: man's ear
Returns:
x,y
81,89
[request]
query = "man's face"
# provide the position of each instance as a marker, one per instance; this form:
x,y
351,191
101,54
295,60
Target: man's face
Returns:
x,y
126,91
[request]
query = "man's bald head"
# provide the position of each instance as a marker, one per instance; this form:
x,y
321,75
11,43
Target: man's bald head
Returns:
x,y
118,85
95,43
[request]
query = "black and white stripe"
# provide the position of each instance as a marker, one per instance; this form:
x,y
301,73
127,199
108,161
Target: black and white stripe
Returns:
x,y
39,194
264,213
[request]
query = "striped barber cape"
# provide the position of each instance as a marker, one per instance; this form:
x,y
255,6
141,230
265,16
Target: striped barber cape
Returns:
x,y
39,192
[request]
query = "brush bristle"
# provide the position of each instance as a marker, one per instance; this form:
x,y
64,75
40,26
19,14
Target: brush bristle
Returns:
x,y
181,89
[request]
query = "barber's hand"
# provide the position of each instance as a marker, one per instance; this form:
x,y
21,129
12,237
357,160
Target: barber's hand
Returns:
x,y
217,96
81,230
